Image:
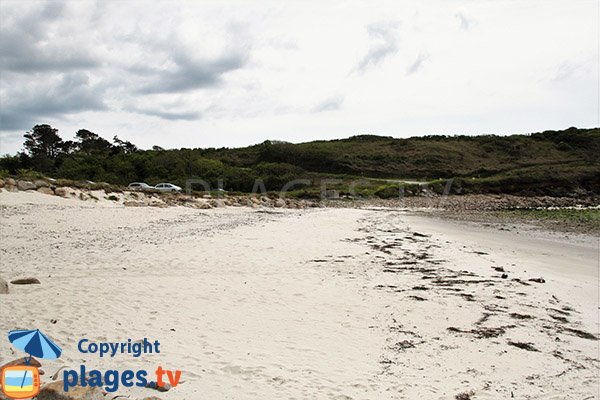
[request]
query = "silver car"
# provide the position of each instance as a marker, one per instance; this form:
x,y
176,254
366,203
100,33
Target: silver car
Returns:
x,y
167,187
139,186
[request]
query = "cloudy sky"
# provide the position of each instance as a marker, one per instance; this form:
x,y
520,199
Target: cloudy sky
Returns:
x,y
227,73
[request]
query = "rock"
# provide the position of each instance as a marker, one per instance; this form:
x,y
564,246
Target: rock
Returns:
x,y
164,388
1,183
538,280
25,185
152,398
10,182
45,190
3,286
217,203
54,391
203,205
504,276
279,203
134,204
61,191
331,194
11,188
21,361
26,281
41,183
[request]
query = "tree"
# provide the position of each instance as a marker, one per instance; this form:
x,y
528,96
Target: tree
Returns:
x,y
43,141
43,145
89,142
124,146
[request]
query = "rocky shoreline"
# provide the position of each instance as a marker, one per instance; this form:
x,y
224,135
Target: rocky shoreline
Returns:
x,y
485,208
429,200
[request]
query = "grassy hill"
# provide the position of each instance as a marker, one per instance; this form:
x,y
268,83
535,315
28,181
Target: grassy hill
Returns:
x,y
553,162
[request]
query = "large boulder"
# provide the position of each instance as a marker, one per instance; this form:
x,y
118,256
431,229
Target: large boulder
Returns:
x,y
25,185
41,183
279,203
1,183
45,190
203,205
10,182
3,286
61,191
54,391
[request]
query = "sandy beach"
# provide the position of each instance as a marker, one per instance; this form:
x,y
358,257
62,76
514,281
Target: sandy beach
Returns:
x,y
323,303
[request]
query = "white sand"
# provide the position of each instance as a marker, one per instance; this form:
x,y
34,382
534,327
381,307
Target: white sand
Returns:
x,y
295,304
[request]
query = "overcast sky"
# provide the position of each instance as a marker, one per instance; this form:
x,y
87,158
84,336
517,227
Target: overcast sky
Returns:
x,y
225,73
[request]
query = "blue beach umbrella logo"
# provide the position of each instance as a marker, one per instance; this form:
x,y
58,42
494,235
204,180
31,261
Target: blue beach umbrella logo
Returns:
x,y
34,343
22,381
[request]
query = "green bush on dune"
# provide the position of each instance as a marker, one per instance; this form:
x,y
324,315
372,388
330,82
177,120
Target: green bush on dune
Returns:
x,y
551,162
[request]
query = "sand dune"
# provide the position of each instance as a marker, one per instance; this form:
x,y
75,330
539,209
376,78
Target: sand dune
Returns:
x,y
295,304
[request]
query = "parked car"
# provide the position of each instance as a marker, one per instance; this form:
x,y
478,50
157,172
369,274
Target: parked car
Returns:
x,y
167,187
139,186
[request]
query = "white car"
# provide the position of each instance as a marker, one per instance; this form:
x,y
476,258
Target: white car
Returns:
x,y
139,186
167,187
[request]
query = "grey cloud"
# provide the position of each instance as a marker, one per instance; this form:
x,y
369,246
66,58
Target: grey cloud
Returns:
x,y
385,38
168,115
465,23
26,45
330,104
418,64
54,66
173,67
23,104
190,74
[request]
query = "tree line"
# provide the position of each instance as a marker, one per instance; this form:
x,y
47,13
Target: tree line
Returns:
x,y
553,162
91,157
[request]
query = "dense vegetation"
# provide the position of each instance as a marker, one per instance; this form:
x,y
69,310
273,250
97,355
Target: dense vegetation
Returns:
x,y
551,162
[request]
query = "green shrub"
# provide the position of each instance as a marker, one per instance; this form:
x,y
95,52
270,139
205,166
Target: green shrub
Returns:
x,y
388,192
